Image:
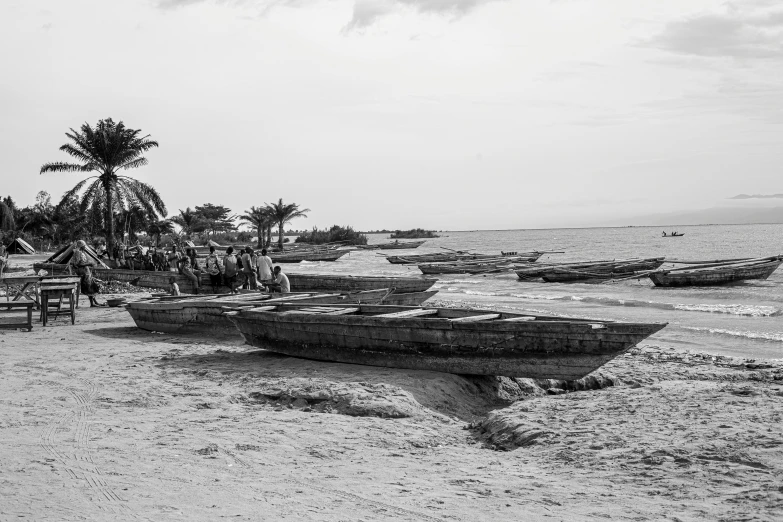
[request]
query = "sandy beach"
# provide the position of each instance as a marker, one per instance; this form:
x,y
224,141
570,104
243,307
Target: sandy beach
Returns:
x,y
104,421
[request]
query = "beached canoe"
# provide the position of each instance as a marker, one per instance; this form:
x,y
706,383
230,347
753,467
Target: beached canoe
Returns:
x,y
205,313
460,341
298,257
299,282
447,257
717,275
392,246
588,270
480,266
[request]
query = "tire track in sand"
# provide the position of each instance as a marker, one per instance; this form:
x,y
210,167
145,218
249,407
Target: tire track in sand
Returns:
x,y
77,461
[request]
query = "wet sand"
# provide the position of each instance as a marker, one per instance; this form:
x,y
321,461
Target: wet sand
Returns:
x,y
104,421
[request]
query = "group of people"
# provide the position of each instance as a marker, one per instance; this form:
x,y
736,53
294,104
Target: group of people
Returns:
x,y
245,269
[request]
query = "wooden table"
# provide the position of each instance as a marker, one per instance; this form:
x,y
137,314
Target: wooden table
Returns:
x,y
63,280
19,304
58,291
29,288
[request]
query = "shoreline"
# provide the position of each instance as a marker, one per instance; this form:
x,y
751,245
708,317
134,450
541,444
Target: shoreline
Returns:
x,y
103,419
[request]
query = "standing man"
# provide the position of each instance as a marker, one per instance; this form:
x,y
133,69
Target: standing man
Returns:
x,y
230,270
248,270
214,268
264,267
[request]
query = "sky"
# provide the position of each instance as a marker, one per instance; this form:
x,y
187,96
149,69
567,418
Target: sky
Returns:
x,y
440,114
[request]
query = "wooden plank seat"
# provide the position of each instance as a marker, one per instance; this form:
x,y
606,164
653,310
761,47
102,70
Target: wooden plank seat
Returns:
x,y
410,313
19,304
475,318
342,311
58,291
518,319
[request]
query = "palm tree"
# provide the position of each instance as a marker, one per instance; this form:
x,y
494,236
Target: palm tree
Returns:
x,y
190,221
282,214
158,228
105,150
260,219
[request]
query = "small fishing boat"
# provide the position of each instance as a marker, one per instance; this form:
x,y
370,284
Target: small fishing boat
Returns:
x,y
717,273
460,341
588,270
392,246
205,313
673,234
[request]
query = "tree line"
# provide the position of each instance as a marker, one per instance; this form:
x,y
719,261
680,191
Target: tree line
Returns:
x,y
111,205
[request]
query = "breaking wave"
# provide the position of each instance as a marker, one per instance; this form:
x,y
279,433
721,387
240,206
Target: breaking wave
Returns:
x,y
763,336
744,310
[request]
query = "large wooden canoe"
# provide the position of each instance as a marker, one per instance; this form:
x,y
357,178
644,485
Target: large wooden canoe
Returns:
x,y
448,257
299,282
717,275
392,246
449,340
298,257
205,313
480,266
588,270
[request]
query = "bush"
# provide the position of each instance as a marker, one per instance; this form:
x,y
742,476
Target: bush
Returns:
x,y
414,233
336,234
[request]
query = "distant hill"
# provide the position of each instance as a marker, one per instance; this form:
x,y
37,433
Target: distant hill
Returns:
x,y
708,216
758,196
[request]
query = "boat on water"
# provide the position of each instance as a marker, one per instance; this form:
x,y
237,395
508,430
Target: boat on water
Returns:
x,y
392,246
447,257
312,255
479,266
673,234
172,314
327,283
588,270
460,341
718,273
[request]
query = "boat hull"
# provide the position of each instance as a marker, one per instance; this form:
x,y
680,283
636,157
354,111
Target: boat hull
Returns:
x,y
714,276
206,314
534,349
588,271
299,282
392,246
333,255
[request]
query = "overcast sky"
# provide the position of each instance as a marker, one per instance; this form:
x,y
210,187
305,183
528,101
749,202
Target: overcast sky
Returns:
x,y
443,114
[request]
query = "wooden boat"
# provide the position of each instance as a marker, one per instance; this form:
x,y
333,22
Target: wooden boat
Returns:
x,y
460,341
391,246
299,282
588,270
673,234
480,266
717,274
205,313
447,257
298,257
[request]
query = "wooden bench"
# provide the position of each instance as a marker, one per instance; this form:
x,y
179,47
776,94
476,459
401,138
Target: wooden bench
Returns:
x,y
29,288
19,304
58,291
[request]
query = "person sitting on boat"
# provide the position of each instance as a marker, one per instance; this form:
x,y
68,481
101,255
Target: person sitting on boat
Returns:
x,y
230,269
215,269
186,264
279,282
664,233
173,286
82,263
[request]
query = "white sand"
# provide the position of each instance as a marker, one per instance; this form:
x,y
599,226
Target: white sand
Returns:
x,y
103,421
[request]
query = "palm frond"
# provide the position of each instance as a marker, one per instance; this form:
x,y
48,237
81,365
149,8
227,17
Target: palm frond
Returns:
x,y
60,166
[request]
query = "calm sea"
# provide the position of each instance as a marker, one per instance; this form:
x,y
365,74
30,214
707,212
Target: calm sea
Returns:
x,y
741,320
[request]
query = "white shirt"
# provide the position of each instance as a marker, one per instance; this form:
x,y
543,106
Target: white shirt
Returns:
x,y
265,267
282,280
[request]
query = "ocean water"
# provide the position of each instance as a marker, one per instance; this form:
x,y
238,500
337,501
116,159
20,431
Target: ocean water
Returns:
x,y
745,319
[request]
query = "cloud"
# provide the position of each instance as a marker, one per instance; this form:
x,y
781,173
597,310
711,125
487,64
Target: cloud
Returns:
x,y
734,34
757,196
367,12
